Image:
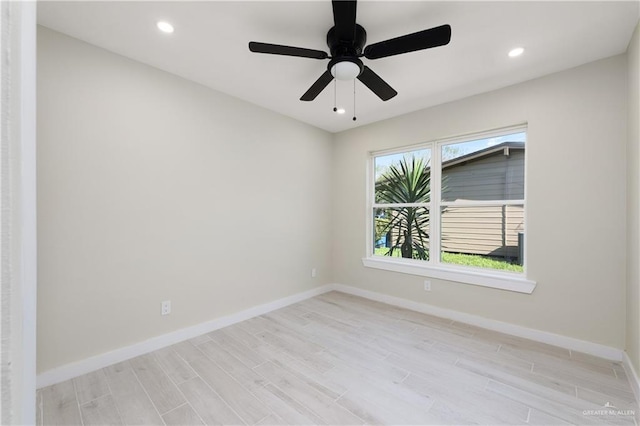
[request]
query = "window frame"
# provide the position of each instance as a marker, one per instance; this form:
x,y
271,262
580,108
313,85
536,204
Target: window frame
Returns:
x,y
434,268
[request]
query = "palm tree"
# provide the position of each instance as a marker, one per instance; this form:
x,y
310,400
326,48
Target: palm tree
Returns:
x,y
407,181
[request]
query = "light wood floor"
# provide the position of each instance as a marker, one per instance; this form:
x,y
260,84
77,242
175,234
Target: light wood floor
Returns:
x,y
339,359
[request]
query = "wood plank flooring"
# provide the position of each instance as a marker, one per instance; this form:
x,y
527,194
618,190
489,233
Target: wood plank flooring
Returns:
x,y
338,359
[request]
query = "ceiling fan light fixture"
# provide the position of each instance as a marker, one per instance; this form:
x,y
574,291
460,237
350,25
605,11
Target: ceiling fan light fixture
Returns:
x,y
345,70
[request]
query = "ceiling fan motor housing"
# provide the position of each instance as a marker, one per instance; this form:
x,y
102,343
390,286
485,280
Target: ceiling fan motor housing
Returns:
x,y
346,51
353,47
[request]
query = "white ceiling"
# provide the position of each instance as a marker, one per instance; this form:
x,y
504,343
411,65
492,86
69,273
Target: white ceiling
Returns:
x,y
209,46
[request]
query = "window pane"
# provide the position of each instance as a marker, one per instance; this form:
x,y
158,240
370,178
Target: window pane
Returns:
x,y
401,232
403,177
484,169
483,237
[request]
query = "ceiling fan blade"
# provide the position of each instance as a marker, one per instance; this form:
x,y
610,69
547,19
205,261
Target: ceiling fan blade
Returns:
x,y
376,84
317,87
433,37
344,17
277,49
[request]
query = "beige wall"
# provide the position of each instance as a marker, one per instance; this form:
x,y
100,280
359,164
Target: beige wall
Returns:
x,y
153,188
633,200
576,135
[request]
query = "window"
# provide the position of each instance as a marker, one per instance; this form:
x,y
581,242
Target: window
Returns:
x,y
452,209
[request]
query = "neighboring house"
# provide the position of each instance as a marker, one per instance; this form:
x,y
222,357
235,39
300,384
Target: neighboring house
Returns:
x,y
494,173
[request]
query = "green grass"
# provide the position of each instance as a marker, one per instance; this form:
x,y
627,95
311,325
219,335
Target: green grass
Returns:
x,y
475,261
480,262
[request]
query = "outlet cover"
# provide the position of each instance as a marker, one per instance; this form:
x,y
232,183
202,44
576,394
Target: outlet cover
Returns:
x,y
166,307
427,285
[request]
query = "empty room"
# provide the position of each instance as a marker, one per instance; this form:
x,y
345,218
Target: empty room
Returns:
x,y
320,212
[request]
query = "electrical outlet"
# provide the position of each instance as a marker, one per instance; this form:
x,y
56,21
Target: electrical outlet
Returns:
x,y
314,272
166,307
427,285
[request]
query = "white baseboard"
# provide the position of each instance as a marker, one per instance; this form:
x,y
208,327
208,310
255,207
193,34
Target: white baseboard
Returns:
x,y
571,343
632,374
69,371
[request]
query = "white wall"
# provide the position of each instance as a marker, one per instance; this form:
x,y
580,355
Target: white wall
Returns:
x,y
633,200
154,188
575,201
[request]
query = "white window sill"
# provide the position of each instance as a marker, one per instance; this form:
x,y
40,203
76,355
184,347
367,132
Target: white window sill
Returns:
x,y
500,280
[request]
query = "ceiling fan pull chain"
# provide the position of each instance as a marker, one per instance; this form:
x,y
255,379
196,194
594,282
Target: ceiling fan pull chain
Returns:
x,y
354,99
335,103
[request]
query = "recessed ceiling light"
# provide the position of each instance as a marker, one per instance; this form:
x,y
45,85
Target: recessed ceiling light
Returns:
x,y
516,52
165,27
340,111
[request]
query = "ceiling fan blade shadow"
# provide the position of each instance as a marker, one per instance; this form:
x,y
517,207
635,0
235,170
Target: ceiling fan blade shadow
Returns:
x,y
376,84
344,17
426,39
317,87
278,49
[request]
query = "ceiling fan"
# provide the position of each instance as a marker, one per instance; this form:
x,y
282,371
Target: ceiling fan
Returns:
x,y
346,41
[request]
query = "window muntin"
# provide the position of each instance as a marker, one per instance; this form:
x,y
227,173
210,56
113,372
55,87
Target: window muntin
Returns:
x,y
470,216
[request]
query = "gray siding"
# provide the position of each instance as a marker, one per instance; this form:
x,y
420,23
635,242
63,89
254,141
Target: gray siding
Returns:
x,y
494,177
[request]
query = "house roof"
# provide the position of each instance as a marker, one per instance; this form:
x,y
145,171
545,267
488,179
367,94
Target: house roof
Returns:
x,y
504,147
